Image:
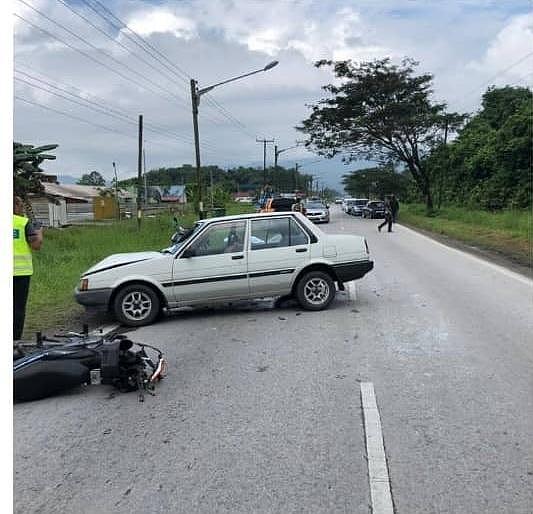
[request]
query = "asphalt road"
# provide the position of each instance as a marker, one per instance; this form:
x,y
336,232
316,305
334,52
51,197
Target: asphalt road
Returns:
x,y
261,411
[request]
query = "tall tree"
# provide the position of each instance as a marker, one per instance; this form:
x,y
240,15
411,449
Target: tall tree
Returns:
x,y
378,181
382,112
91,179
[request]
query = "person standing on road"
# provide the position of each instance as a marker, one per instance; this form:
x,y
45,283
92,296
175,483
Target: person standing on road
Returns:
x,y
27,236
394,207
298,206
388,217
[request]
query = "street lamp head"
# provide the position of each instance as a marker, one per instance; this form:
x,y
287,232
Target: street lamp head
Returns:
x,y
270,65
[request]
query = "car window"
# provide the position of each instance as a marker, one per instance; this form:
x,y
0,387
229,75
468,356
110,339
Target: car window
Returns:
x,y
227,237
282,204
276,233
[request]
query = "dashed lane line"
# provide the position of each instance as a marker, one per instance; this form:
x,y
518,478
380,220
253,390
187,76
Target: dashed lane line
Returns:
x,y
378,474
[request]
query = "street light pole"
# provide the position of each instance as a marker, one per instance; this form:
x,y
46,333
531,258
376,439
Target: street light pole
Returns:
x,y
195,101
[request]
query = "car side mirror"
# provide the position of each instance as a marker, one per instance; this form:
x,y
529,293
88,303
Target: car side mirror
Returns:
x,y
189,252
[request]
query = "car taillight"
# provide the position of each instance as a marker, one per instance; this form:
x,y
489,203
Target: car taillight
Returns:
x,y
366,246
84,284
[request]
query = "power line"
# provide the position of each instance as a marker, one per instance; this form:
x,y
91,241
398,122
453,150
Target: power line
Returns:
x,y
496,75
129,79
102,104
99,50
102,110
77,118
130,52
159,57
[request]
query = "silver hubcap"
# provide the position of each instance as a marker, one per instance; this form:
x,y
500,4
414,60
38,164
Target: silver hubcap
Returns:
x,y
316,291
136,305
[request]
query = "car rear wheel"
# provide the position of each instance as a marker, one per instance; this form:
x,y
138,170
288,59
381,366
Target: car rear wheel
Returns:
x,y
136,305
315,291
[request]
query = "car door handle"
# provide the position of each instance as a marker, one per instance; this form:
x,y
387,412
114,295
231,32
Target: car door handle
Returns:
x,y
236,257
300,250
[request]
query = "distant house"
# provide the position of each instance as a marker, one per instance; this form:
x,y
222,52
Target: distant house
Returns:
x,y
66,204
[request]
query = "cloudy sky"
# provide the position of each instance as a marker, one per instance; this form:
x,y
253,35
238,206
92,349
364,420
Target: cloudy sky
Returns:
x,y
82,79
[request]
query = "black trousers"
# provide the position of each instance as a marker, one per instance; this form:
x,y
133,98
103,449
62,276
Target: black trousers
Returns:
x,y
21,288
385,221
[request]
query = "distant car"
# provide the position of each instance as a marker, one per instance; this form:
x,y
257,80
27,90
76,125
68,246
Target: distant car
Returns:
x,y
356,206
338,201
317,212
278,204
348,204
374,209
225,259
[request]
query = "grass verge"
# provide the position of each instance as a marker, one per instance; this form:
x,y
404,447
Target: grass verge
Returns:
x,y
509,233
68,252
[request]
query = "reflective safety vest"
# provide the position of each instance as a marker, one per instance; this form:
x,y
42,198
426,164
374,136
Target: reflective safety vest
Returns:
x,y
22,262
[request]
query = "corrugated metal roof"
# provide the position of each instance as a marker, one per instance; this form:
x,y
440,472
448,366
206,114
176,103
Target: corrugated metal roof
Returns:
x,y
77,191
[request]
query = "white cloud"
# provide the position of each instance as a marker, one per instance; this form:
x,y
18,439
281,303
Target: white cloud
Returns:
x,y
215,39
513,42
161,20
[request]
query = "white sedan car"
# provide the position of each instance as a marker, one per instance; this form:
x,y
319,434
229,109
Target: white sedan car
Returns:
x,y
225,259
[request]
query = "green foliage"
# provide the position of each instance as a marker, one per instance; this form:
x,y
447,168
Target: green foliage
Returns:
x,y
235,179
488,164
27,160
383,112
377,182
91,179
507,231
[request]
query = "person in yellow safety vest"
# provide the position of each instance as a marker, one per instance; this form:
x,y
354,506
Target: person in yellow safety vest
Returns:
x,y
27,236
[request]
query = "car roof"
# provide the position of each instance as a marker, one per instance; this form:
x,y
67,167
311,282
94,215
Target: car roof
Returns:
x,y
253,215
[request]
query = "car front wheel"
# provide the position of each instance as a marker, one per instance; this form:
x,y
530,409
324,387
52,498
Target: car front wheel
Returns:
x,y
136,305
315,291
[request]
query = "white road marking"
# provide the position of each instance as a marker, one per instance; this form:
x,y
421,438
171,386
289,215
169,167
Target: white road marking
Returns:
x,y
495,267
378,474
352,293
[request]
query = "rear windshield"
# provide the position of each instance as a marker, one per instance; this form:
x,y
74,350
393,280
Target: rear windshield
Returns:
x,y
282,204
361,203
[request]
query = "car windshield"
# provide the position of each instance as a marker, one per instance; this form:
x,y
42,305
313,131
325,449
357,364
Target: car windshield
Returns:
x,y
188,233
361,203
315,205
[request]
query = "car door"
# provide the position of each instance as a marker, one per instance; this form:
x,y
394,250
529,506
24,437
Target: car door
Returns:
x,y
278,248
214,265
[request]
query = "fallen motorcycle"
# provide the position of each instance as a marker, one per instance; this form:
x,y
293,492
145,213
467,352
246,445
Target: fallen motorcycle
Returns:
x,y
53,365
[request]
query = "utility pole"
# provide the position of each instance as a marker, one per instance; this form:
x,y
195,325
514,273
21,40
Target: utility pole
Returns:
x,y
211,178
139,172
296,166
195,98
264,141
116,190
144,174
275,177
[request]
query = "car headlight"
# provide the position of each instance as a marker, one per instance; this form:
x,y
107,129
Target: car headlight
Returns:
x,y
84,284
